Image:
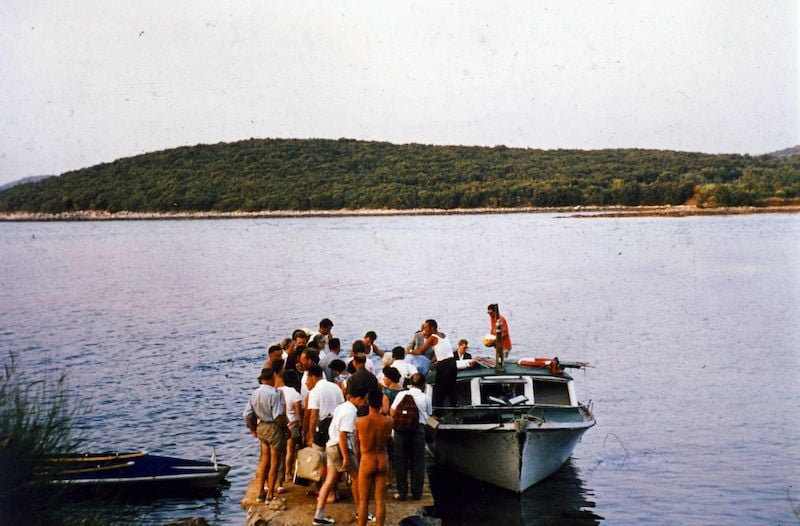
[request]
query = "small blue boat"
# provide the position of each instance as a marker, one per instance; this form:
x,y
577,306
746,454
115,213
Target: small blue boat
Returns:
x,y
137,472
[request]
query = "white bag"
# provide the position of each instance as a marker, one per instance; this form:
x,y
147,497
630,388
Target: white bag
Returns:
x,y
309,464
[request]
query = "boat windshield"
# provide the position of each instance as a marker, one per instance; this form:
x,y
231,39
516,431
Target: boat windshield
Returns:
x,y
549,392
508,391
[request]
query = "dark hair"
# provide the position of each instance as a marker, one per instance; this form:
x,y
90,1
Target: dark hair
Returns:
x,y
337,365
277,365
492,307
371,334
291,378
334,343
326,323
274,347
312,354
391,373
417,380
360,358
266,374
375,398
398,353
432,324
359,347
357,391
298,333
315,370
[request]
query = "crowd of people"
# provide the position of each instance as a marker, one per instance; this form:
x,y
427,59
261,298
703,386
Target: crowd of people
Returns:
x,y
365,410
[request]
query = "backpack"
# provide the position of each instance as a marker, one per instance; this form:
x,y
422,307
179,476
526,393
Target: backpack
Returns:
x,y
406,414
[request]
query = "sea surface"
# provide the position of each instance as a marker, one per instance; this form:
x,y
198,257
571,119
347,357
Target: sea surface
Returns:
x,y
691,325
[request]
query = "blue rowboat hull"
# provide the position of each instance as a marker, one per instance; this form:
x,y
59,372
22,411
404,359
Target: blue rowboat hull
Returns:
x,y
137,472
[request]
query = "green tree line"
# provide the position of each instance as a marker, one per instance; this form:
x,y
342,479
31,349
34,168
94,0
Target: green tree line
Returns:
x,y
317,174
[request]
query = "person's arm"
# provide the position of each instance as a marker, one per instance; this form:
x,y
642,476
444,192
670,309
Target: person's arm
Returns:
x,y
429,342
298,410
357,441
250,418
343,450
313,417
385,405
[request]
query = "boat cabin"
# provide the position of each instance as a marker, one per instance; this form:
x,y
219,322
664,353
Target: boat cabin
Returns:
x,y
518,386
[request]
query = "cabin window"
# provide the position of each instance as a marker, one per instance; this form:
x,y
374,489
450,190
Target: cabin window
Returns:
x,y
550,393
504,392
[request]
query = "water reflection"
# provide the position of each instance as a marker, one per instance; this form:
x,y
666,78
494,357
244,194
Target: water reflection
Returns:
x,y
561,499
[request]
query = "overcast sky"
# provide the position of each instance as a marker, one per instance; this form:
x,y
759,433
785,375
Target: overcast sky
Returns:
x,y
89,81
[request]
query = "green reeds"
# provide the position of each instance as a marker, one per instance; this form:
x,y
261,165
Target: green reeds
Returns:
x,y
36,423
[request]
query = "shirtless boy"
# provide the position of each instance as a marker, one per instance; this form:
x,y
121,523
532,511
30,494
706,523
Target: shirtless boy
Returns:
x,y
374,431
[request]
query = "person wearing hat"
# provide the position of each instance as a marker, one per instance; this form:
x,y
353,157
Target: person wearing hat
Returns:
x,y
266,420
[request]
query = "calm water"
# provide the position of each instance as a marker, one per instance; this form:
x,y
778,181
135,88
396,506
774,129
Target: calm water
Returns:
x,y
692,326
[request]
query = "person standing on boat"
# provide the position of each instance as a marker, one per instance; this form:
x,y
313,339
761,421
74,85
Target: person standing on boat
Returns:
x,y
446,369
409,446
420,359
461,353
266,421
492,311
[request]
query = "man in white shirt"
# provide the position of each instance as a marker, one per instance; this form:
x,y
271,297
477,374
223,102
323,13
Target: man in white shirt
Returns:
x,y
340,452
399,362
334,346
323,398
409,446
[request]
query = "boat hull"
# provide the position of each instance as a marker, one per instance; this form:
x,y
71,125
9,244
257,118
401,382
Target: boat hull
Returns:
x,y
503,456
139,472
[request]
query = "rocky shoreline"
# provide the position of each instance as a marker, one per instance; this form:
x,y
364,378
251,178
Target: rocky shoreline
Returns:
x,y
574,211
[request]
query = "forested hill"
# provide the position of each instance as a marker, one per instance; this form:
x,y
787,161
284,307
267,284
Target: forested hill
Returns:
x,y
314,174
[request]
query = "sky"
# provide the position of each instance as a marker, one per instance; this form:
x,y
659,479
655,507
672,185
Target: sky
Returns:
x,y
90,81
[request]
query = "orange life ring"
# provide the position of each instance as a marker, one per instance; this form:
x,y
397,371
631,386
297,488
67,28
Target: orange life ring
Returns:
x,y
535,362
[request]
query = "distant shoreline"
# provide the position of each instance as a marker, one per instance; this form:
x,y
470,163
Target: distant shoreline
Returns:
x,y
573,211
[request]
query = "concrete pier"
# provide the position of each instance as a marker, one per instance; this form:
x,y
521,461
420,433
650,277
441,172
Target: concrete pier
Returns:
x,y
297,505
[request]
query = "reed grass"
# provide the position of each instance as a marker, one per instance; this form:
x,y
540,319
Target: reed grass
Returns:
x,y
37,422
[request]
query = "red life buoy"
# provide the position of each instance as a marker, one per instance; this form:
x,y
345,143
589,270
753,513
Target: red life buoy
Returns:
x,y
535,362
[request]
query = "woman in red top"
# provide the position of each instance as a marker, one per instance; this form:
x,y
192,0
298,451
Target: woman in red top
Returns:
x,y
491,310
